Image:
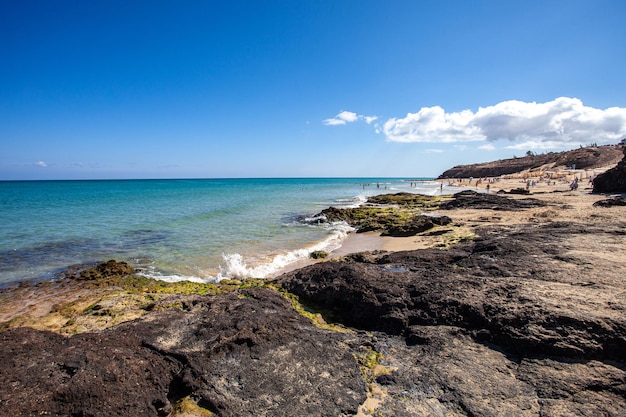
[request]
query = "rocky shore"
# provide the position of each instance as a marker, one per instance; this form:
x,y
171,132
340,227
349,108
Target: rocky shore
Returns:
x,y
515,306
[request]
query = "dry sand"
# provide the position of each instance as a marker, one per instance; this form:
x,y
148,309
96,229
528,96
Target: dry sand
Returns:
x,y
563,205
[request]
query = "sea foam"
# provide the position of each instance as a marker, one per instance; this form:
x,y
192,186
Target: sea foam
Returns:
x,y
238,267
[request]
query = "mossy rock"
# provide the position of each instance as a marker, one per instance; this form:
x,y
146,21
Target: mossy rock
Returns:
x,y
105,270
394,215
404,199
318,254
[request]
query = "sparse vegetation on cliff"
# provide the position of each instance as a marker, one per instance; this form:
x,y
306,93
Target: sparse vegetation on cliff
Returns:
x,y
582,158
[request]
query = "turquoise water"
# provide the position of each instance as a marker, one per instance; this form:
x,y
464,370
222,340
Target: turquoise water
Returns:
x,y
175,229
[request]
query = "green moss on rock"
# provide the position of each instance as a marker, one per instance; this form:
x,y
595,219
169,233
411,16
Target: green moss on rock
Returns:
x,y
318,254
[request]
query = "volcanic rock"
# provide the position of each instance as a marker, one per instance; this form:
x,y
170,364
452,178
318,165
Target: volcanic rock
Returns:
x,y
611,202
613,180
417,224
243,353
100,271
475,200
391,214
515,322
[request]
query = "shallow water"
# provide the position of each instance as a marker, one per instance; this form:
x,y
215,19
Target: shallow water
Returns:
x,y
198,229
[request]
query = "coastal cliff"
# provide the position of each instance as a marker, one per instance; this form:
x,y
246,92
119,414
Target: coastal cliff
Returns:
x,y
515,307
582,158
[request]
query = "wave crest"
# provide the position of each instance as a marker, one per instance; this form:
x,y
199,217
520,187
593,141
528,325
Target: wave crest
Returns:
x,y
237,267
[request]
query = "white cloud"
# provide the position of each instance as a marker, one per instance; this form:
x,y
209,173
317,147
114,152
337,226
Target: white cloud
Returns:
x,y
342,118
487,147
561,122
432,124
432,150
348,117
41,164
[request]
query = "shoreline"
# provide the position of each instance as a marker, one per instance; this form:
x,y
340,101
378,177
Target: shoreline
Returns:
x,y
36,300
183,232
355,242
527,292
373,241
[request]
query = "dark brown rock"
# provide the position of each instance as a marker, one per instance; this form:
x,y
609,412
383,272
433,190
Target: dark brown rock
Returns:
x,y
402,199
476,285
457,324
613,180
611,202
417,224
255,356
390,222
474,200
101,271
239,354
108,374
519,191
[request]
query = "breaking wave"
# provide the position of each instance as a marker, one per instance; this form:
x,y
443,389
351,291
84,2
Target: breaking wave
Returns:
x,y
239,267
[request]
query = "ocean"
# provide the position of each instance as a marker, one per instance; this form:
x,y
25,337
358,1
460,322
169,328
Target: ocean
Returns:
x,y
176,229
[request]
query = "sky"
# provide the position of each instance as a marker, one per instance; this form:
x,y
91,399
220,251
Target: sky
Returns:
x,y
341,88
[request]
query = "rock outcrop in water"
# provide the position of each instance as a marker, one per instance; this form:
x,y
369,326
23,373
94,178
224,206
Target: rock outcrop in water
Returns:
x,y
397,215
101,271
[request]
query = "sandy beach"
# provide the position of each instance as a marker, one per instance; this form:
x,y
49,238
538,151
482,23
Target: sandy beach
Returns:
x,y
565,205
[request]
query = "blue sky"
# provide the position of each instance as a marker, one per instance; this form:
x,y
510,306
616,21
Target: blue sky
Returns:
x,y
155,89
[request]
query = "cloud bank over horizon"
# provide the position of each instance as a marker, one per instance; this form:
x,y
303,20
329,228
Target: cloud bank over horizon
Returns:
x,y
558,123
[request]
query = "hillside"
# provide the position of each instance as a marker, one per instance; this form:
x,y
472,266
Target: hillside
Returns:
x,y
583,158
